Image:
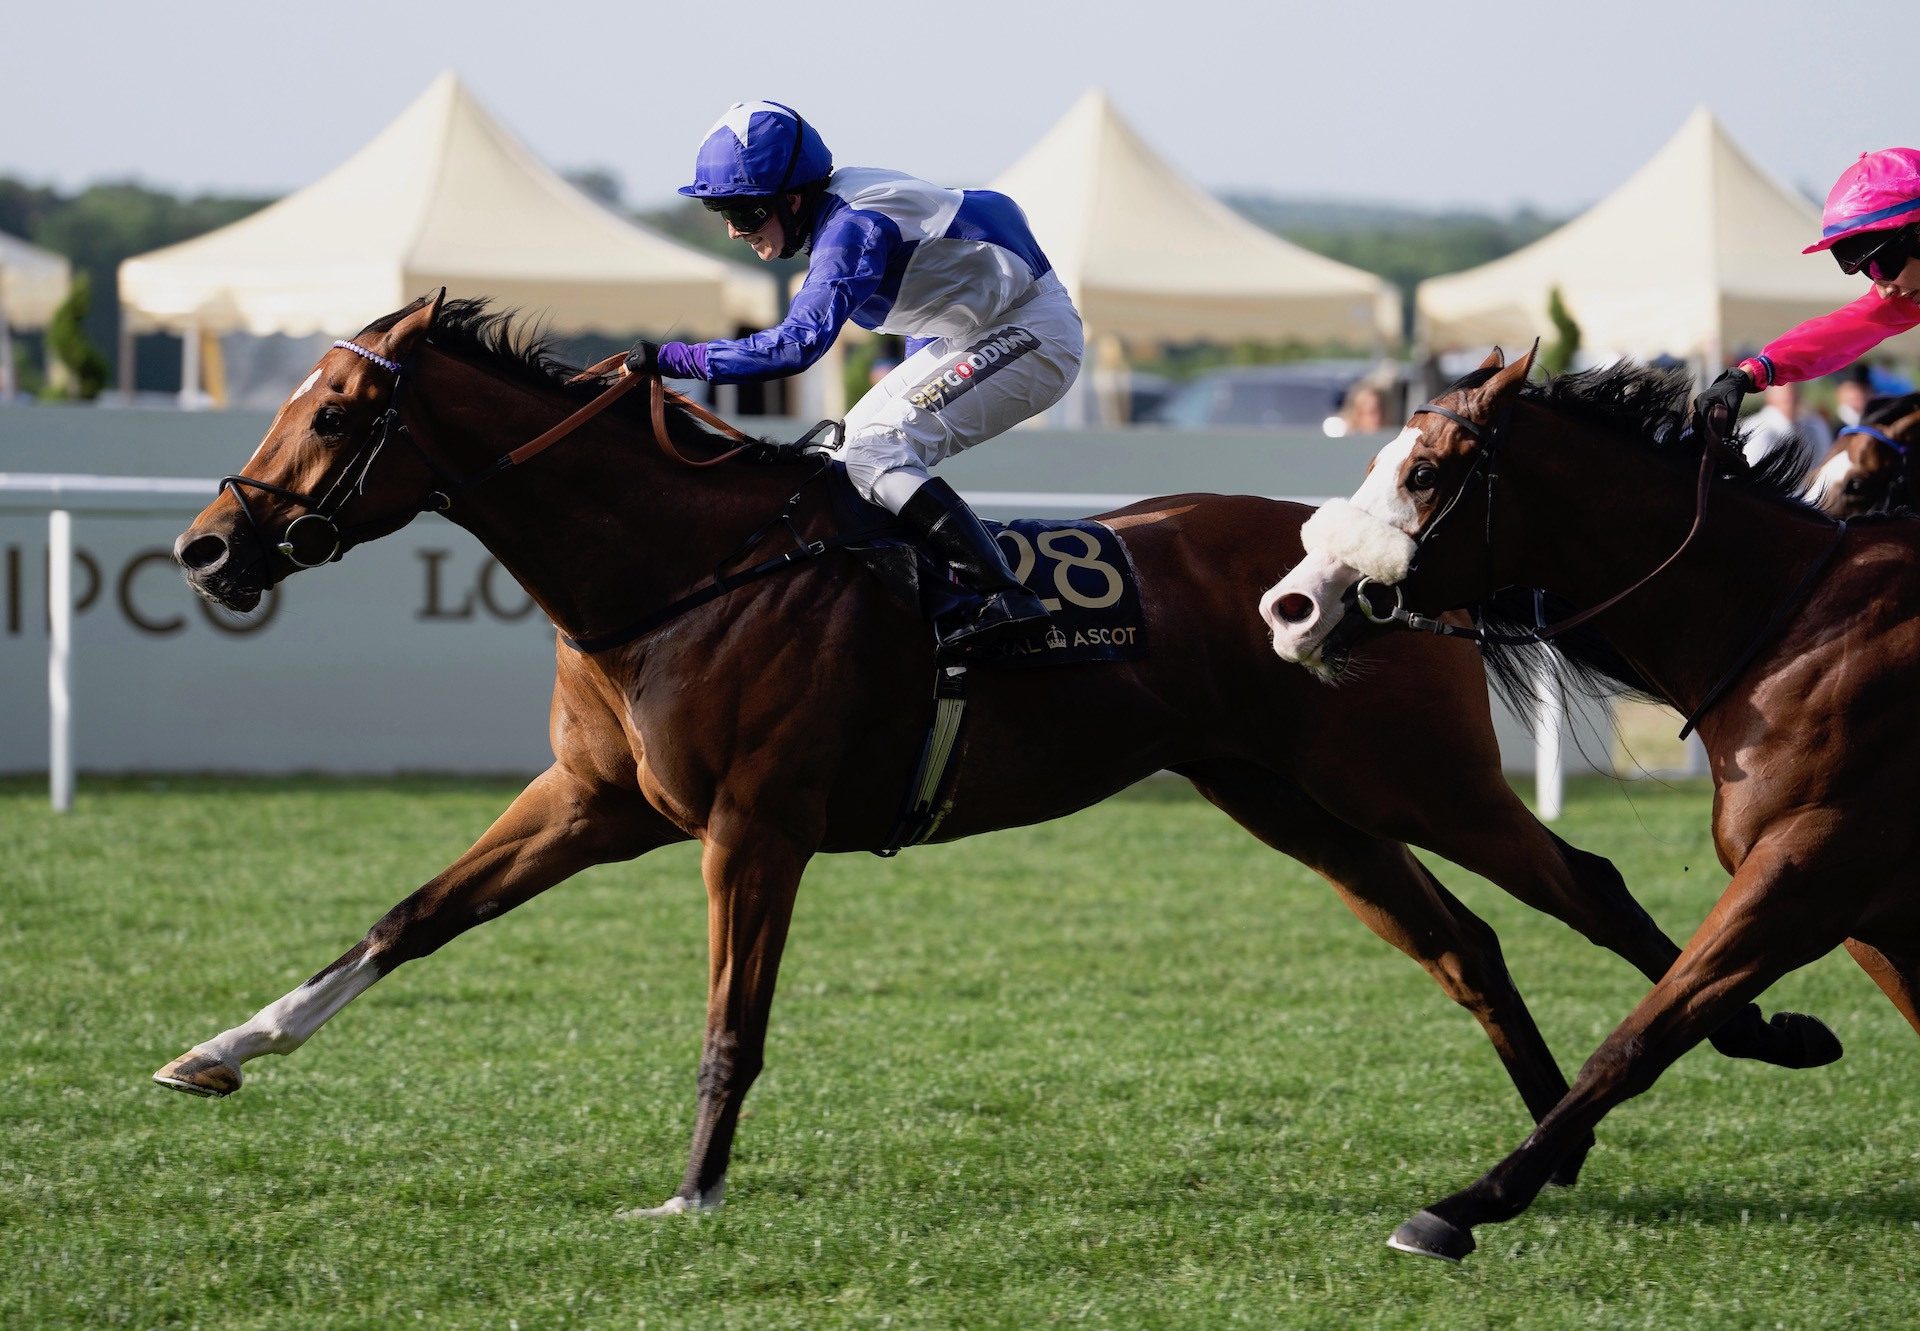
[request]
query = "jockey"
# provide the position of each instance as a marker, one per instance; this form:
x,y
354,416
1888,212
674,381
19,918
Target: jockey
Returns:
x,y
992,336
1872,225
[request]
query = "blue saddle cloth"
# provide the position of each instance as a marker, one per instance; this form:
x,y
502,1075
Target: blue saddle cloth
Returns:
x,y
1078,567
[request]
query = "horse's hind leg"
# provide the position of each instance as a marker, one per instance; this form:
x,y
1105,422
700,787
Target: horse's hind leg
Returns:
x,y
1780,912
1395,896
1496,837
557,826
1897,976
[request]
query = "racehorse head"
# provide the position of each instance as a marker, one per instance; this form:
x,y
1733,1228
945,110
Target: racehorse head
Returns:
x,y
1867,471
332,472
1429,485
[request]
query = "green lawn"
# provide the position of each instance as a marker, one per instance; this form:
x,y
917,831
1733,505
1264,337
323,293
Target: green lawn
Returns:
x,y
1127,1070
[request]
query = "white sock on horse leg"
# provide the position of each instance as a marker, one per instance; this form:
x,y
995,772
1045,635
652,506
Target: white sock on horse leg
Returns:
x,y
287,1023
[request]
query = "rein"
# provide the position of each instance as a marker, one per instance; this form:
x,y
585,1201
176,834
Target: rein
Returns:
x,y
1491,437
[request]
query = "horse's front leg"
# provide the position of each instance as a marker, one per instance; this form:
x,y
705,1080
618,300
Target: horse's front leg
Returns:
x,y
1782,910
559,825
752,874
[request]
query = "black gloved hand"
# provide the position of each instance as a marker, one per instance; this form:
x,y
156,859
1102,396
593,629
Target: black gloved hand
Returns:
x,y
643,359
1718,407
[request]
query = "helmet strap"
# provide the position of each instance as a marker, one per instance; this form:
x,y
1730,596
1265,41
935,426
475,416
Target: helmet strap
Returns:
x,y
790,237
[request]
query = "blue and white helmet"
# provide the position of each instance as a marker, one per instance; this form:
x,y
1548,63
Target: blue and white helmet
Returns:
x,y
758,149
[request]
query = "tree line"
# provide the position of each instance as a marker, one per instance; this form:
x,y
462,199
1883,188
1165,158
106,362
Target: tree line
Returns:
x,y
99,226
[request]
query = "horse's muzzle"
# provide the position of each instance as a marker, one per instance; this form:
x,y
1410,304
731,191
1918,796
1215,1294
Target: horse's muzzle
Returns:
x,y
218,569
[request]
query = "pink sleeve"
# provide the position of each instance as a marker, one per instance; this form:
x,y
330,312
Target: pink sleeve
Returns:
x,y
1832,341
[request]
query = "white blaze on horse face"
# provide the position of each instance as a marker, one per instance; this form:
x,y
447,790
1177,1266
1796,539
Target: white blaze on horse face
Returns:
x,y
307,387
1380,494
285,1024
1830,479
1344,540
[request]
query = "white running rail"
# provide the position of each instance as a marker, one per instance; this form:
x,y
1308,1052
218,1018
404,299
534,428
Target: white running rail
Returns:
x,y
62,496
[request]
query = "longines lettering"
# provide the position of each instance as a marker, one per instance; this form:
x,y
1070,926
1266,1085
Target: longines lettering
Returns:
x,y
151,605
492,590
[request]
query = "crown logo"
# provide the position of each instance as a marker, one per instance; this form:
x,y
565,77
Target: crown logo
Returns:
x,y
1055,638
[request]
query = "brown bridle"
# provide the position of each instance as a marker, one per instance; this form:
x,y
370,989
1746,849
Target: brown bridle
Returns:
x,y
324,509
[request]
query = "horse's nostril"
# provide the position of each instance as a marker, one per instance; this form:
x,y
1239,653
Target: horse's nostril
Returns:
x,y
1294,607
201,553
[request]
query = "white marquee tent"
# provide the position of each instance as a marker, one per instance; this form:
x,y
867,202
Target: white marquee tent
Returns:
x,y
1149,255
33,282
444,196
1697,255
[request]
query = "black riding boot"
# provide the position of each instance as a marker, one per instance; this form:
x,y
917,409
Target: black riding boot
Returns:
x,y
950,531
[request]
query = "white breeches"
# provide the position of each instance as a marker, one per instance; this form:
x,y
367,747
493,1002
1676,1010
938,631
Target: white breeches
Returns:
x,y
957,391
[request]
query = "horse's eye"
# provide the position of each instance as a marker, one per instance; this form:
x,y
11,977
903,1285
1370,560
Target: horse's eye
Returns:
x,y
1423,477
1855,485
330,422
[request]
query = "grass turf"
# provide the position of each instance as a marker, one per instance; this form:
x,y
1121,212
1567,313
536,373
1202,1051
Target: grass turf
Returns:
x,y
1130,1069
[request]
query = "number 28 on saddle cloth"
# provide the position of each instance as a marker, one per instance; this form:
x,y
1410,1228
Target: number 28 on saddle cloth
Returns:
x,y
1078,567
1081,571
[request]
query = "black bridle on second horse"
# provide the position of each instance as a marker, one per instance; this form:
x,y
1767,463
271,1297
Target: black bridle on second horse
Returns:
x,y
1897,483
1485,466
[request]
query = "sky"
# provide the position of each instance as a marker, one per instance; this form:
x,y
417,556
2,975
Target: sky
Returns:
x,y
1460,104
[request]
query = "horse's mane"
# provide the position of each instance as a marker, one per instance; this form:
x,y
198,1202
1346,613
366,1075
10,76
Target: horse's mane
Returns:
x,y
523,350
1639,406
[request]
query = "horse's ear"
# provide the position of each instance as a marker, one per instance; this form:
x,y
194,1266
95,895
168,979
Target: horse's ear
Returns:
x,y
1510,378
414,322
1495,359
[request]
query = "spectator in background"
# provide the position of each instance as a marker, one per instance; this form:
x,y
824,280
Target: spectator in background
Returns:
x,y
1785,421
1850,398
1365,410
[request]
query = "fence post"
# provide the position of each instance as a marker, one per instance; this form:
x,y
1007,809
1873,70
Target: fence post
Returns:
x,y
59,654
1550,712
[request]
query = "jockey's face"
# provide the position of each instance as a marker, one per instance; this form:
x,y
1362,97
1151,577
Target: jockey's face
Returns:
x,y
1906,286
767,239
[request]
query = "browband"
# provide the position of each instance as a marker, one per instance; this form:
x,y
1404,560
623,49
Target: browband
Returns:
x,y
390,366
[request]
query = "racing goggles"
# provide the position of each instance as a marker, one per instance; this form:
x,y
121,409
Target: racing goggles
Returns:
x,y
743,214
1881,255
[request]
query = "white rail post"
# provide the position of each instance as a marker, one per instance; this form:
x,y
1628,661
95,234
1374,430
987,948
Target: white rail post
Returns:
x,y
59,652
1549,713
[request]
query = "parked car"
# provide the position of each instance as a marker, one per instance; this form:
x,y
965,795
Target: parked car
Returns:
x,y
1302,395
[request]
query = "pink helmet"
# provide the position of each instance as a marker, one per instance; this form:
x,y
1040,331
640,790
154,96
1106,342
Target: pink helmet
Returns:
x,y
1880,190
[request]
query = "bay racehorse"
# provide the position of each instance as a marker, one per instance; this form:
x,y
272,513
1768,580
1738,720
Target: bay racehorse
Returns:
x,y
784,717
1867,470
1792,641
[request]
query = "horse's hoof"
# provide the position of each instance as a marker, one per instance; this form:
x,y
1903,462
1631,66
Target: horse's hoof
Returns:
x,y
678,1205
200,1074
1567,1172
1430,1236
1788,1040
1804,1041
